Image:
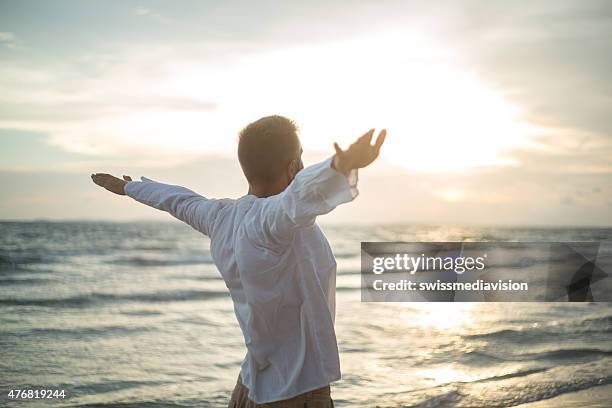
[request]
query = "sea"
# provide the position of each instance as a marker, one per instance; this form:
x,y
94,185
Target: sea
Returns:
x,y
135,314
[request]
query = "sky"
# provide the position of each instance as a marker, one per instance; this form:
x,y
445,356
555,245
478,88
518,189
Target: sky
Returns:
x,y
497,112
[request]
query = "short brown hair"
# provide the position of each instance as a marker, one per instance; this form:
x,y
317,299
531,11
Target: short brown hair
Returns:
x,y
266,147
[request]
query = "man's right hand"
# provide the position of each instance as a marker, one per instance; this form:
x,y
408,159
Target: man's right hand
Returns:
x,y
111,183
360,154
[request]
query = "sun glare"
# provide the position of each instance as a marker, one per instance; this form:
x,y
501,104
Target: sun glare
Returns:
x,y
440,116
443,375
442,316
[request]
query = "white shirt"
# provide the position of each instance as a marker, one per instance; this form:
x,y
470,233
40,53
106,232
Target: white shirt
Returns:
x,y
280,272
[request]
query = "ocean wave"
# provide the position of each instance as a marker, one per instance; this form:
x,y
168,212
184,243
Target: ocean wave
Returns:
x,y
445,398
502,334
565,354
24,281
347,254
140,313
544,334
347,288
12,261
136,404
144,261
512,389
478,357
80,332
529,392
603,321
152,247
216,277
101,387
349,272
461,397
516,374
86,300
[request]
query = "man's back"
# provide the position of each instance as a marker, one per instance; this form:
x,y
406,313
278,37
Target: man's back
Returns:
x,y
284,299
280,272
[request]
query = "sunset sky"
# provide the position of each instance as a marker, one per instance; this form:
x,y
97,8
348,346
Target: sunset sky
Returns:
x,y
497,112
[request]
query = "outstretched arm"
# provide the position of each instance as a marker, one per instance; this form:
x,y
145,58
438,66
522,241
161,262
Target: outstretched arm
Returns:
x,y
182,203
318,189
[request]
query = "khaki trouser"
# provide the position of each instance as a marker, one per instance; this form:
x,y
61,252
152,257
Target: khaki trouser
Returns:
x,y
319,398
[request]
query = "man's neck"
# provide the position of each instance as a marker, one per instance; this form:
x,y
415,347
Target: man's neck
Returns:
x,y
267,190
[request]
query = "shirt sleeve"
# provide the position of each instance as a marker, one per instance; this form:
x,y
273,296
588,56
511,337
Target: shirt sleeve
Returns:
x,y
316,190
182,203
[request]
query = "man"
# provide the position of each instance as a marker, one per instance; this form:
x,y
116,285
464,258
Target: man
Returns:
x,y
276,262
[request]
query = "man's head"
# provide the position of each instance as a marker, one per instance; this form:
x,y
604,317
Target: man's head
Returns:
x,y
269,152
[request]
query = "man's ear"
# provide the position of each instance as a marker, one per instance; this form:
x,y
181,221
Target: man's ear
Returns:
x,y
292,169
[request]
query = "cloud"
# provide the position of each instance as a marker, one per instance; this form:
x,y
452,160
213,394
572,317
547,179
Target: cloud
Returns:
x,y
554,59
146,12
10,40
6,36
142,11
108,106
